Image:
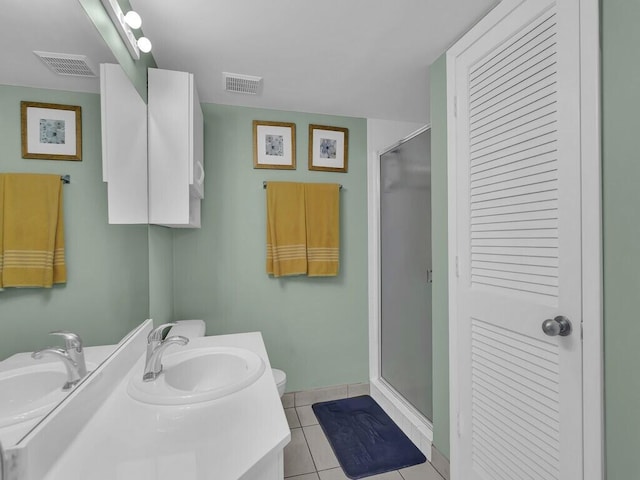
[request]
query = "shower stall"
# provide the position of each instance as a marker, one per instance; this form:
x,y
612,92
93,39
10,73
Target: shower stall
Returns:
x,y
402,374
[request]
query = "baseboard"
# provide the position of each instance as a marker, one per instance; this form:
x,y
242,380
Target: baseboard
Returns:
x,y
440,463
324,394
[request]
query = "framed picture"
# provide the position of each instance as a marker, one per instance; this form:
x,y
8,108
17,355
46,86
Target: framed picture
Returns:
x,y
51,131
328,147
274,145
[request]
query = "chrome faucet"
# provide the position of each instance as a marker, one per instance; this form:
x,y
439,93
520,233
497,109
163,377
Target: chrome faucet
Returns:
x,y
156,347
72,357
153,366
154,339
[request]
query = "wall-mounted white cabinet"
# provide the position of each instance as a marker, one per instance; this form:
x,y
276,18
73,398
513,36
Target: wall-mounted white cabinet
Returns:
x,y
176,149
124,146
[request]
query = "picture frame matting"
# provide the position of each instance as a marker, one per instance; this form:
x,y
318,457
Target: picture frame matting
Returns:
x,y
51,131
328,148
274,145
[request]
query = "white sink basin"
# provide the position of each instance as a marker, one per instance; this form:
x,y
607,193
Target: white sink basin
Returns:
x,y
199,375
30,391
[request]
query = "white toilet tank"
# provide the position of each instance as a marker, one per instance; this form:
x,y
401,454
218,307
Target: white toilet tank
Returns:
x,y
281,380
188,328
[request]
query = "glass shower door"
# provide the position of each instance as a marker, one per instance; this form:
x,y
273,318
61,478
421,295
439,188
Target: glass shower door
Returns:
x,y
405,271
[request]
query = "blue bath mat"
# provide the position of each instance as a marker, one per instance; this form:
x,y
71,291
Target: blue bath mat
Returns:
x,y
364,438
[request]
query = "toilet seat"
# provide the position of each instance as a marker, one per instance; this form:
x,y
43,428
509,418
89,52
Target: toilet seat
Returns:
x,y
279,376
281,380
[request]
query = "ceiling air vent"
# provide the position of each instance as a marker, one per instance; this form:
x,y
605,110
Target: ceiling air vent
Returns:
x,y
67,64
237,83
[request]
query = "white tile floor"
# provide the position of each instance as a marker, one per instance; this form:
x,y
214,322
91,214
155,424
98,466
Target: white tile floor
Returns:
x,y
309,455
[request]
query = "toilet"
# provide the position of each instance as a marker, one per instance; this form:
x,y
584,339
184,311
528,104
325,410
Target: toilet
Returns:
x,y
197,328
188,328
281,380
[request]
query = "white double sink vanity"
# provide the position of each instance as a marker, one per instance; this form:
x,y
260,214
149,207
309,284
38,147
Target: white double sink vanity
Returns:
x,y
212,413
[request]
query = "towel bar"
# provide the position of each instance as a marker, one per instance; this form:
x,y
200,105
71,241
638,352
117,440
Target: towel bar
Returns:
x,y
65,178
264,185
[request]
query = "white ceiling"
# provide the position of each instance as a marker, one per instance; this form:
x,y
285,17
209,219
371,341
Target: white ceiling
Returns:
x,y
364,58
50,26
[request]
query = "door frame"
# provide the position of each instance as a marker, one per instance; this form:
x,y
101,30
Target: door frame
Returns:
x,y
415,425
590,144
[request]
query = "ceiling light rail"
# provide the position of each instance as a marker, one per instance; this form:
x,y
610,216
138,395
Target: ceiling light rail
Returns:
x,y
125,24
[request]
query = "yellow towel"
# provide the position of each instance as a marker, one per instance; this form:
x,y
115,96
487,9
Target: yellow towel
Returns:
x,y
286,235
322,204
32,239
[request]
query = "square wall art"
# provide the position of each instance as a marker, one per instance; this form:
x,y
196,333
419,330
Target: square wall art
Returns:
x,y
51,131
328,148
274,145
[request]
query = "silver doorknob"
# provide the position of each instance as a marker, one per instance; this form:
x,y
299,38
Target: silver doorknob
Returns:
x,y
558,326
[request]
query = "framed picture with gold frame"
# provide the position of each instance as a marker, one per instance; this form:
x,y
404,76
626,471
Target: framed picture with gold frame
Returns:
x,y
51,131
328,148
274,145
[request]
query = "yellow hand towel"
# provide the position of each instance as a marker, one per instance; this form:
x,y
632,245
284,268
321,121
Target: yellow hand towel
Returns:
x,y
32,244
286,236
322,202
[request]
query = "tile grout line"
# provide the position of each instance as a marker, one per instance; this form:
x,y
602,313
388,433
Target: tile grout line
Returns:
x,y
299,422
315,470
325,436
297,417
315,467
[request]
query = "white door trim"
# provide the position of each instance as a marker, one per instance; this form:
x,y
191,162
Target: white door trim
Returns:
x,y
590,143
418,428
593,387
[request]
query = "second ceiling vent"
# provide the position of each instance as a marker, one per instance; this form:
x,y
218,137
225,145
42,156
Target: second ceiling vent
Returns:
x,y
67,64
238,83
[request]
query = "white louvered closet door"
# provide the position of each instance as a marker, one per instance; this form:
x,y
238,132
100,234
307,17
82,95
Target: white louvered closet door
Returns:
x,y
518,244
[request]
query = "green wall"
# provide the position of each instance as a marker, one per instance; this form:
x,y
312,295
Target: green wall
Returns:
x,y
107,265
621,215
160,274
314,328
440,309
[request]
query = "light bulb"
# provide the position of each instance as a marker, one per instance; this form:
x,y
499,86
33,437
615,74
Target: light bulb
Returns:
x,y
133,20
144,44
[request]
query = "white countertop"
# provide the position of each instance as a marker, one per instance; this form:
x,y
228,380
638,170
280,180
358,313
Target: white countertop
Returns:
x,y
220,439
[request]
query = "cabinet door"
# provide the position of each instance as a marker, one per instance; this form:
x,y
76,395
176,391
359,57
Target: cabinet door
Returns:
x,y
124,146
173,142
196,177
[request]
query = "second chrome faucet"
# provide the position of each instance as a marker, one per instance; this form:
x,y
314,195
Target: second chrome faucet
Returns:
x,y
156,347
72,356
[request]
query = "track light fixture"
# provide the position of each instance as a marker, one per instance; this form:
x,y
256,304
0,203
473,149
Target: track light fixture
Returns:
x,y
133,19
125,24
144,44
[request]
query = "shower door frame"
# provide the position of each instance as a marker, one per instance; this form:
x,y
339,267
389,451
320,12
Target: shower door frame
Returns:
x,y
412,422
